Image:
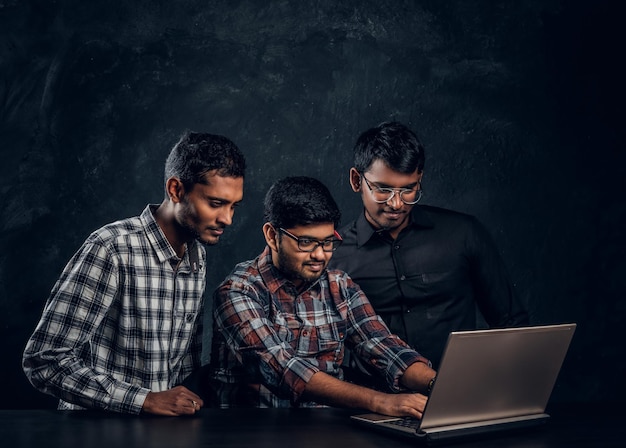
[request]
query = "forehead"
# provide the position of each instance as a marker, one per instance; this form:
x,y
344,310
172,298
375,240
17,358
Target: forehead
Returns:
x,y
380,173
318,231
226,188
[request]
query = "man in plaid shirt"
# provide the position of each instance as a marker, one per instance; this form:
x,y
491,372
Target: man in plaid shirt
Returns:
x,y
283,319
122,327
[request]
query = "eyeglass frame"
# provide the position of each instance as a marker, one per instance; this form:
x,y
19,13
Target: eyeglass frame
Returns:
x,y
336,242
393,192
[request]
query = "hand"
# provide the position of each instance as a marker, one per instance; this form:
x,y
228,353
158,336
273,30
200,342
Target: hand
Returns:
x,y
401,405
172,402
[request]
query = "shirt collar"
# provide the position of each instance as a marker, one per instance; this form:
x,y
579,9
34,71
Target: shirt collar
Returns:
x,y
364,230
162,247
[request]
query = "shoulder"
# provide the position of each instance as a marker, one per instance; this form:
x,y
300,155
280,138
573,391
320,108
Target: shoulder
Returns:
x,y
348,232
445,219
242,289
461,227
244,276
110,241
445,214
343,280
111,233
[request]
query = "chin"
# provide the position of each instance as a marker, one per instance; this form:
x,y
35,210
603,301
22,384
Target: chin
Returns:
x,y
312,278
211,242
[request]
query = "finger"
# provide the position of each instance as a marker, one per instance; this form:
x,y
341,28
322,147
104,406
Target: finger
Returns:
x,y
186,408
193,396
198,402
188,394
196,405
412,412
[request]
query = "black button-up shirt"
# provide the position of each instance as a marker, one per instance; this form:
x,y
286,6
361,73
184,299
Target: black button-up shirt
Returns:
x,y
430,280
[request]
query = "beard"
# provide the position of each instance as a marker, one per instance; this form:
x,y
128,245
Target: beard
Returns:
x,y
381,222
294,270
190,225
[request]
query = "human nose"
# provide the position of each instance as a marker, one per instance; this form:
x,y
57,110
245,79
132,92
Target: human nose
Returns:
x,y
394,201
318,252
226,217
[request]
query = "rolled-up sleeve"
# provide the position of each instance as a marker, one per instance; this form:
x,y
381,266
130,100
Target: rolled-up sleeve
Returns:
x,y
241,317
370,338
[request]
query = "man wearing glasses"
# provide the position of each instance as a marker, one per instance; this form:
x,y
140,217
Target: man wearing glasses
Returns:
x,y
283,319
424,269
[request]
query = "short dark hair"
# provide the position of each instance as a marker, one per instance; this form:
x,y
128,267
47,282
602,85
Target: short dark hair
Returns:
x,y
196,154
300,200
393,143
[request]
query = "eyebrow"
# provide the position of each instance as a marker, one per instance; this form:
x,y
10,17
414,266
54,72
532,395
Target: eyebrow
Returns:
x,y
224,200
383,185
309,237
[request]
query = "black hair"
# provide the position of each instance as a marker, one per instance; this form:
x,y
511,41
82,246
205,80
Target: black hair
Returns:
x,y
395,144
300,200
196,154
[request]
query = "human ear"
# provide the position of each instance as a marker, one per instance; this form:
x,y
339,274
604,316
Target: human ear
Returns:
x,y
175,189
355,180
270,234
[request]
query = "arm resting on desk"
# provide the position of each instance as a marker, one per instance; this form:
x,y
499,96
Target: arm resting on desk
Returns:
x,y
326,389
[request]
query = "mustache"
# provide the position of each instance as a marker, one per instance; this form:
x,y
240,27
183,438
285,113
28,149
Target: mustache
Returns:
x,y
392,210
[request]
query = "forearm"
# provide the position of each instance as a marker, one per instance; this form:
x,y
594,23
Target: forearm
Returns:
x,y
326,389
65,376
417,376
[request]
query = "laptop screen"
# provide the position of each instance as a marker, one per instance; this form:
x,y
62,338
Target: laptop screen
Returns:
x,y
496,373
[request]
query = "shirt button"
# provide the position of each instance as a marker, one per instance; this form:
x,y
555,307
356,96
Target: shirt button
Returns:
x,y
396,247
403,277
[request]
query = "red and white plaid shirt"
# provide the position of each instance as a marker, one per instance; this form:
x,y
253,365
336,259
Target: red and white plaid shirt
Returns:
x,y
269,339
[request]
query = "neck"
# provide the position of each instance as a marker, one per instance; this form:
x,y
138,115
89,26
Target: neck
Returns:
x,y
175,235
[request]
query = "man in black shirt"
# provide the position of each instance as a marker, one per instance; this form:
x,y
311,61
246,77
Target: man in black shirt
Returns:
x,y
424,269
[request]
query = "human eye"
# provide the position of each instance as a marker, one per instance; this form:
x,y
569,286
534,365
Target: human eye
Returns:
x,y
306,243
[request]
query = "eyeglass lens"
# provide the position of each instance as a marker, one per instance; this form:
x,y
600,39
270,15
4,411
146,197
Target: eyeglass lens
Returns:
x,y
309,244
386,194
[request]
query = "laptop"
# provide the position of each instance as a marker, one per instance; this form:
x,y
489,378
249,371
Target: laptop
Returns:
x,y
488,381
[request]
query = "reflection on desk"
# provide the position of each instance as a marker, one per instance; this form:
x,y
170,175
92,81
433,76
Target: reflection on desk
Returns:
x,y
325,428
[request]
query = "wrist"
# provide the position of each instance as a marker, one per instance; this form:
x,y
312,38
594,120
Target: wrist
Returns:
x,y
376,401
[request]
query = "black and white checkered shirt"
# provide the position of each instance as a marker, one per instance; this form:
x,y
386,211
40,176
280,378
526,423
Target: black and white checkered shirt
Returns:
x,y
121,321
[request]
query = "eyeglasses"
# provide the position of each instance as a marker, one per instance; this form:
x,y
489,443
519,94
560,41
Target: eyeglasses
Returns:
x,y
381,195
309,244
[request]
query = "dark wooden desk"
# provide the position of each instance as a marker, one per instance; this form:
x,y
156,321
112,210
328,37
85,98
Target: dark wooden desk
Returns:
x,y
302,428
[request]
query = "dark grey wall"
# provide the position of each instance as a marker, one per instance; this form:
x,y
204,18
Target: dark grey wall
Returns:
x,y
520,106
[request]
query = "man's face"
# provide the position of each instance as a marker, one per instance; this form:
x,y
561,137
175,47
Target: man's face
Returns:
x,y
208,208
392,215
299,266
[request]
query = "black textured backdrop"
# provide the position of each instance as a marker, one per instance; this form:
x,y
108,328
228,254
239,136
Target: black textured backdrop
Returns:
x,y
519,104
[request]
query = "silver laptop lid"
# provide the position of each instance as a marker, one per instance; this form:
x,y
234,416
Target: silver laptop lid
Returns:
x,y
496,373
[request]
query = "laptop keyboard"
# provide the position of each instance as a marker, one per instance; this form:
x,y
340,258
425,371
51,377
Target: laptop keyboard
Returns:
x,y
406,422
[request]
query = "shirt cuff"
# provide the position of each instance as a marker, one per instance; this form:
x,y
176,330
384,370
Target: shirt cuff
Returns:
x,y
128,400
399,366
297,374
